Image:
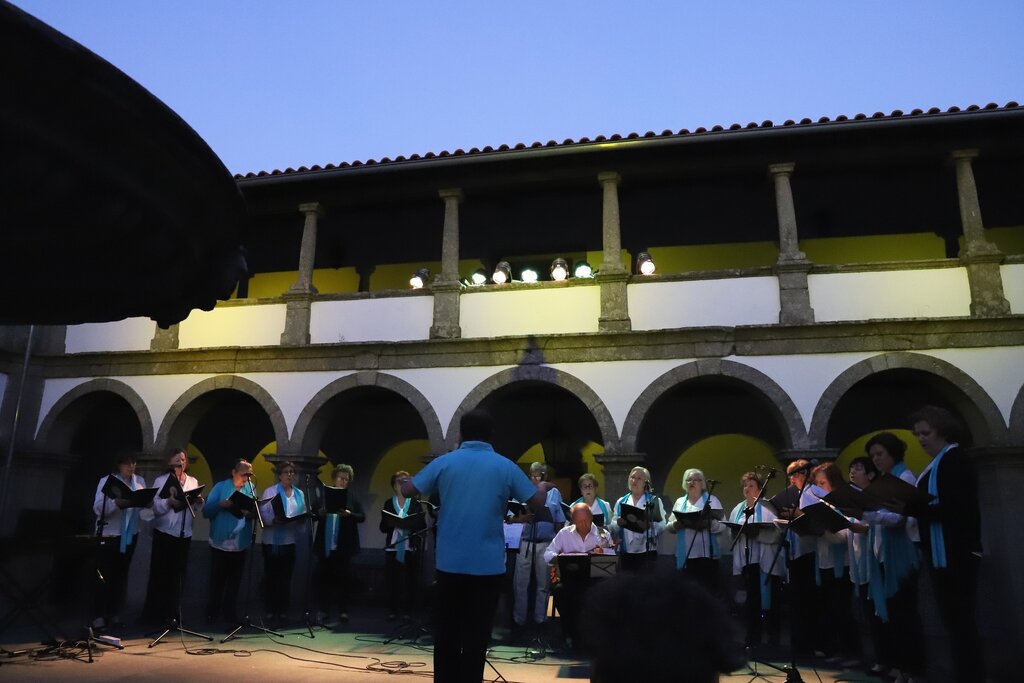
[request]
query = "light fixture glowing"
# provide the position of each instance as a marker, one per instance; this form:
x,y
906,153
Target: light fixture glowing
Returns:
x,y
528,275
644,263
583,269
479,277
419,279
559,269
502,273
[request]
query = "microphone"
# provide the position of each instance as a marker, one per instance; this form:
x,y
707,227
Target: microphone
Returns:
x,y
713,482
647,485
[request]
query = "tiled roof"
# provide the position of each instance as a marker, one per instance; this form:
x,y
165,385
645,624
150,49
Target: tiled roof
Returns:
x,y
667,133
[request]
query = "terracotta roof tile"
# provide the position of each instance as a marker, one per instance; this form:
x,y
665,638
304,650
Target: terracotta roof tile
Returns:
x,y
667,133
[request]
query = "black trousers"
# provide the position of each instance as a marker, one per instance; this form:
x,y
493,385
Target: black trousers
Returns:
x,y
804,603
758,617
955,592
278,566
167,563
112,566
703,570
634,562
402,579
225,579
462,626
333,582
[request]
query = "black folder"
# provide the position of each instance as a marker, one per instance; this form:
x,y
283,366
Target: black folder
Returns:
x,y
241,502
139,498
895,494
763,532
852,501
817,519
573,568
700,520
277,504
787,498
409,522
335,499
172,487
515,508
634,518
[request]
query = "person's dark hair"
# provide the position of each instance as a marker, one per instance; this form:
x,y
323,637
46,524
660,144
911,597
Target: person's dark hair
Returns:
x,y
661,597
753,476
799,465
831,472
174,451
867,464
941,420
893,444
476,425
282,466
124,456
237,465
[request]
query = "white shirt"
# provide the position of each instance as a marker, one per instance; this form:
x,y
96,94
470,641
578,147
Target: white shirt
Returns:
x,y
632,542
165,518
567,540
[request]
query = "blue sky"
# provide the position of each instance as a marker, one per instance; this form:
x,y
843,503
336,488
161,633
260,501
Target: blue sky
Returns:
x,y
277,84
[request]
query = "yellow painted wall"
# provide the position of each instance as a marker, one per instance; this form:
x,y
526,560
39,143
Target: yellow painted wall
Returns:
x,y
875,248
1009,240
724,457
915,459
687,259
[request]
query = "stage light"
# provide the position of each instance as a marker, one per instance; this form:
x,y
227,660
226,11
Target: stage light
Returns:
x,y
559,269
528,275
479,277
644,263
583,269
502,273
419,278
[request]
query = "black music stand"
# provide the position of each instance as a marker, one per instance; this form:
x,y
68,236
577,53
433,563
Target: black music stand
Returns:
x,y
246,621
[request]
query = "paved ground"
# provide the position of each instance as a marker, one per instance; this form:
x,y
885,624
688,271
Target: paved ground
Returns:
x,y
362,652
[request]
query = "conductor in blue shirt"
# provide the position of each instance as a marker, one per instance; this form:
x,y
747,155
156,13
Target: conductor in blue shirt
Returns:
x,y
474,484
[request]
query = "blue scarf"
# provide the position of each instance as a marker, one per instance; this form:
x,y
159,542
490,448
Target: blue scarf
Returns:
x,y
128,516
401,535
647,501
898,550
935,528
300,502
766,589
681,543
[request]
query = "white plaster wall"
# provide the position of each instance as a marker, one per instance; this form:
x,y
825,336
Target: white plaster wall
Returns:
x,y
256,325
1013,286
130,334
804,378
726,302
934,293
403,318
551,310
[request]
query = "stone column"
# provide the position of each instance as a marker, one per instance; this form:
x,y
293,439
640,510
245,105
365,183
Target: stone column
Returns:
x,y
299,297
164,340
616,468
611,276
980,257
1000,473
792,266
822,455
446,289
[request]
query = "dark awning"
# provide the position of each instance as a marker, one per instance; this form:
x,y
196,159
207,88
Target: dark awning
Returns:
x,y
112,206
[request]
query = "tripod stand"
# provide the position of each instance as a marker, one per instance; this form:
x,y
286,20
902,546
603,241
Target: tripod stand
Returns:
x,y
412,580
246,621
180,556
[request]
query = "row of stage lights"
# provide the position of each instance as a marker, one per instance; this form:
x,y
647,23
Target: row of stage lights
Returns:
x,y
559,271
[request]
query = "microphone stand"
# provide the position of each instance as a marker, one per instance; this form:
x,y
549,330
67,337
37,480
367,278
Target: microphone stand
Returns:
x,y
176,622
423,533
705,516
309,556
246,622
90,633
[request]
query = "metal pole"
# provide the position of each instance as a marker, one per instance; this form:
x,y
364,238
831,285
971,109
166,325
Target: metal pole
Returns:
x,y
15,420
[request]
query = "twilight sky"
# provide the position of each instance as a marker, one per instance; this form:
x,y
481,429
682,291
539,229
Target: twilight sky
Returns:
x,y
272,84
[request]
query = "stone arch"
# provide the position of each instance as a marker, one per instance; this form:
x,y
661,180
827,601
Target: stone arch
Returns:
x,y
180,421
307,431
1016,434
538,373
52,436
787,415
977,408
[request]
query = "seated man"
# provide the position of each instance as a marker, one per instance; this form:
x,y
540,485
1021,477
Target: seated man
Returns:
x,y
578,538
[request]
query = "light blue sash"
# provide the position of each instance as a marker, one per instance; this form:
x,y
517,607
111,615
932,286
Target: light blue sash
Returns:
x,y
401,535
765,583
330,531
300,504
938,539
128,516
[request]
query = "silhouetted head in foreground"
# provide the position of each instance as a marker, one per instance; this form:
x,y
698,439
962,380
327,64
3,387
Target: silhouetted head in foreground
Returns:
x,y
663,627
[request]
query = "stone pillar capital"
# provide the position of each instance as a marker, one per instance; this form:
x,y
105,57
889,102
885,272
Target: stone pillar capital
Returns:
x,y
311,207
785,168
616,467
606,177
451,193
963,154
788,455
